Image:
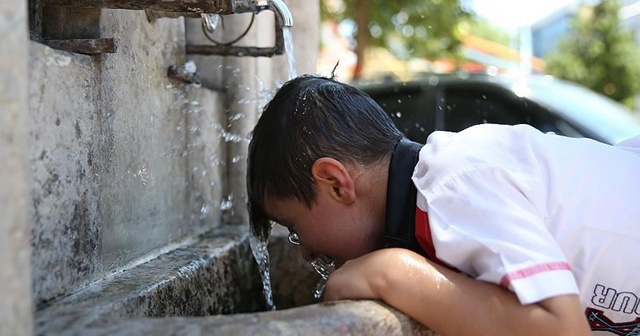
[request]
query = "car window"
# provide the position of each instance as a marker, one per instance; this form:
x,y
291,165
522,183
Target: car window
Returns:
x,y
465,107
409,109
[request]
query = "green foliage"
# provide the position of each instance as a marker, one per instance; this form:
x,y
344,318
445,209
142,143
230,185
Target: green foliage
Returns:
x,y
408,28
599,54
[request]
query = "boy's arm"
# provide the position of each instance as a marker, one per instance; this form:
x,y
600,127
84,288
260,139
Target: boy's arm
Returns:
x,y
451,303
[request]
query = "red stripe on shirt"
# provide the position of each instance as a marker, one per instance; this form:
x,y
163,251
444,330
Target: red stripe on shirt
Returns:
x,y
423,236
533,270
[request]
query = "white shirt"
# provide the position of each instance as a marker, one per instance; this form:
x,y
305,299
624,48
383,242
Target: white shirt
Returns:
x,y
540,214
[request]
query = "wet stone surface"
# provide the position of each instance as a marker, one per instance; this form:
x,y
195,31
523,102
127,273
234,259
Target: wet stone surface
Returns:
x,y
212,286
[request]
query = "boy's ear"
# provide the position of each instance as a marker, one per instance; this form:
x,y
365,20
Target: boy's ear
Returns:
x,y
332,176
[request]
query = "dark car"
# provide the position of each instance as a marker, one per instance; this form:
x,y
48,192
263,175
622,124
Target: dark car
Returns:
x,y
455,102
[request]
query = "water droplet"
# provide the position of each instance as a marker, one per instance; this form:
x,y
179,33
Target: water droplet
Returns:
x,y
204,209
227,203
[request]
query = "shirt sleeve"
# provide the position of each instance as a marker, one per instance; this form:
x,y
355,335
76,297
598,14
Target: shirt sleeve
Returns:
x,y
484,222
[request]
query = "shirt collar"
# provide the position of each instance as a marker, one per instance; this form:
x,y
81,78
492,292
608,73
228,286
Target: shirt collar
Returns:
x,y
401,196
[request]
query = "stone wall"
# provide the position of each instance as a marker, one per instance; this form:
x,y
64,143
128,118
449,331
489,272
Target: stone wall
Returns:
x,y
108,154
15,251
126,163
108,162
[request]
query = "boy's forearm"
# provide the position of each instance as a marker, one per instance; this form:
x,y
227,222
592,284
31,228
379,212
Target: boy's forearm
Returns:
x,y
451,303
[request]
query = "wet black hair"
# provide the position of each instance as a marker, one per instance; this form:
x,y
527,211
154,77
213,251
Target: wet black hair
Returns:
x,y
311,117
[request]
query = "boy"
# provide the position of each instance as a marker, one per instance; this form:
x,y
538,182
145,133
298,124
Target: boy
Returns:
x,y
496,230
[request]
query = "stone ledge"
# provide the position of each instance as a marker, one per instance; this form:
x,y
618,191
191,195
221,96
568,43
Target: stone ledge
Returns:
x,y
321,319
186,291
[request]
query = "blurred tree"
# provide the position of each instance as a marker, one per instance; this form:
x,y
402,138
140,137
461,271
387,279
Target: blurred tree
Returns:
x,y
426,28
599,54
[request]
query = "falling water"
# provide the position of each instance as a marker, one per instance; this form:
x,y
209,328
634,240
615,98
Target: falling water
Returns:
x,y
323,266
288,47
261,255
259,242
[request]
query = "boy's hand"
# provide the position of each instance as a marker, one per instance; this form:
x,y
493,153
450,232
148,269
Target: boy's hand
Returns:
x,y
451,303
364,277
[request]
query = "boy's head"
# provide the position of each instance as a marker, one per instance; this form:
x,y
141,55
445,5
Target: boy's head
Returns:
x,y
310,118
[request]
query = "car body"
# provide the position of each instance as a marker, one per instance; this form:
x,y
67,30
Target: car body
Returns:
x,y
455,102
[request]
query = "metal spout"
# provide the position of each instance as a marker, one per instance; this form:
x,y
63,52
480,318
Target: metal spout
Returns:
x,y
284,19
283,15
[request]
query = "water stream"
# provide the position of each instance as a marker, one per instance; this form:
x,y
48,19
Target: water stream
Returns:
x,y
289,51
261,255
323,266
259,244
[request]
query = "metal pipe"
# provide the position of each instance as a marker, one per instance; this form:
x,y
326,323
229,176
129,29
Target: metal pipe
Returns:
x,y
283,15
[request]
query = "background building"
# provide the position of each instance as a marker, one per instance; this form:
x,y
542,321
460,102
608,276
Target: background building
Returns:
x,y
630,16
549,31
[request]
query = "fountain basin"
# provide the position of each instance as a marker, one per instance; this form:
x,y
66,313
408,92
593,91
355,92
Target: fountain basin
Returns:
x,y
211,285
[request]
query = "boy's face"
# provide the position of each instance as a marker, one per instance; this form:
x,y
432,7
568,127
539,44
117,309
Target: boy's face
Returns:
x,y
330,227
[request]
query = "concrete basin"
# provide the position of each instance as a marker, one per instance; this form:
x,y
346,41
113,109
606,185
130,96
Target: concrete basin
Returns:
x,y
211,286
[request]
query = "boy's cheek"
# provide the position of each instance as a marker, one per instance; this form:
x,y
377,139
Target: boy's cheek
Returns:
x,y
307,255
